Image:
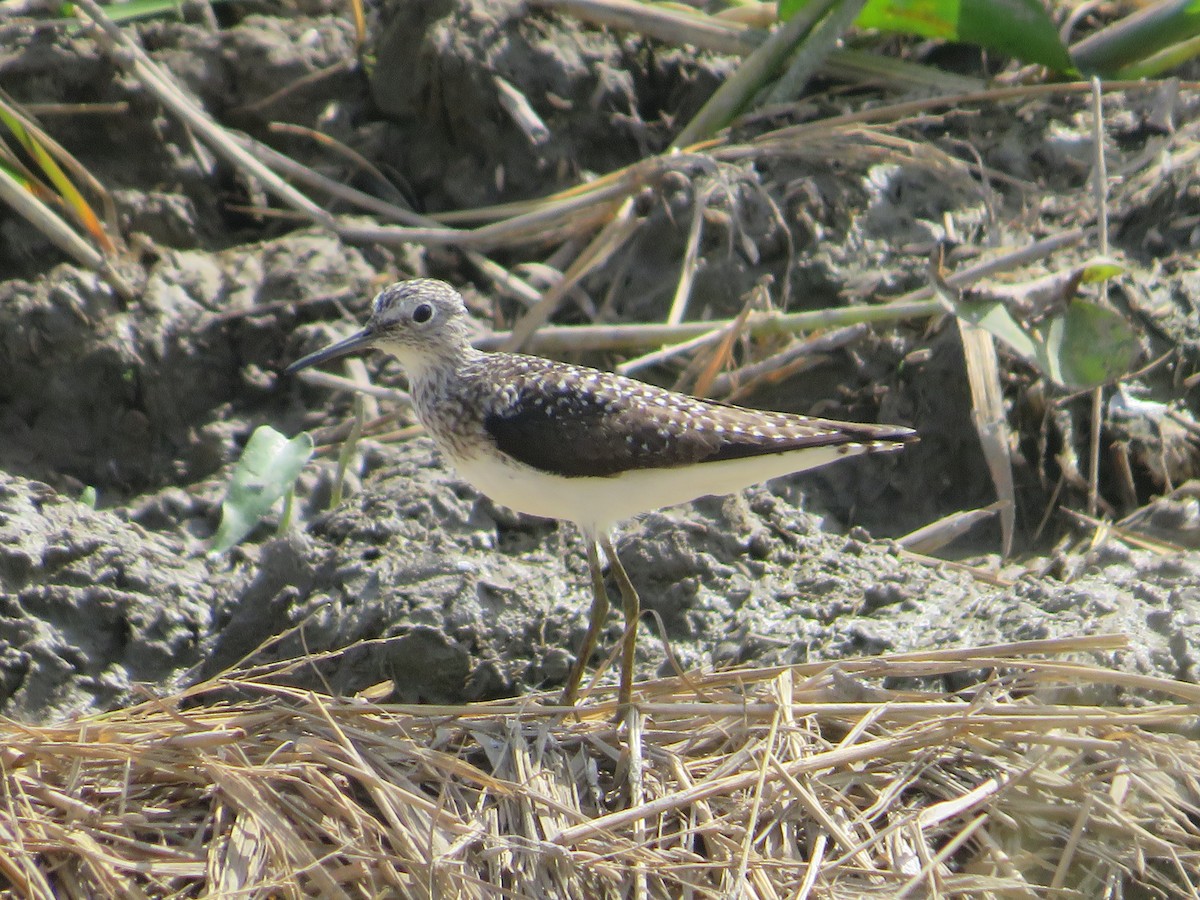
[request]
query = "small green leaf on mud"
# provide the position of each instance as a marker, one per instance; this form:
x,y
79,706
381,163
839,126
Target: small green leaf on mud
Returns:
x,y
1090,345
267,471
88,497
1082,346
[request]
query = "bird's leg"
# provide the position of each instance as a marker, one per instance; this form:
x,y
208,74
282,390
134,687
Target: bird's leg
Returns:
x,y
633,612
599,614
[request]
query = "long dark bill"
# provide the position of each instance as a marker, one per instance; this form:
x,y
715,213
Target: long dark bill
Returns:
x,y
352,344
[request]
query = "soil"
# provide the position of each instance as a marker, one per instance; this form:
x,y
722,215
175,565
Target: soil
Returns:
x,y
417,578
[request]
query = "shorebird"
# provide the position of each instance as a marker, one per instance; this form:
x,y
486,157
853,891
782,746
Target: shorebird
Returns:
x,y
582,445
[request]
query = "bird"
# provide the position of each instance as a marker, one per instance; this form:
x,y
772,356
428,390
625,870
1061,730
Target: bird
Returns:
x,y
582,445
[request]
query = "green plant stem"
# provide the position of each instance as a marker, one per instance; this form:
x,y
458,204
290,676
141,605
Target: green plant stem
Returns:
x,y
349,446
285,519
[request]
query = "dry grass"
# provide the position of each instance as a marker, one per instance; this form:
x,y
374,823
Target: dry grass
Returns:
x,y
820,780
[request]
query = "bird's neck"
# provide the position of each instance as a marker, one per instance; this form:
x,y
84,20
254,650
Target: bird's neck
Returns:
x,y
445,392
434,363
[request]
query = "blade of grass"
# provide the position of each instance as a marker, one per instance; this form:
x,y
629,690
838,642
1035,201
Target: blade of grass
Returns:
x,y
814,50
987,415
753,72
1100,193
1163,61
691,257
712,361
360,26
672,26
133,10
78,172
571,338
32,139
20,197
1137,36
719,334
346,454
936,535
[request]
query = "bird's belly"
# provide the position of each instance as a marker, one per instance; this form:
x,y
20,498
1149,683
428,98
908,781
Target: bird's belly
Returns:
x,y
597,504
523,488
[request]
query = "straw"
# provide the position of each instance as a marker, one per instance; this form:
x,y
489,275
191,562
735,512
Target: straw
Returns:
x,y
849,779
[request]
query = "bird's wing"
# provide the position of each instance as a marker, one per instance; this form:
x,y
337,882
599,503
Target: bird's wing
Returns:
x,y
582,422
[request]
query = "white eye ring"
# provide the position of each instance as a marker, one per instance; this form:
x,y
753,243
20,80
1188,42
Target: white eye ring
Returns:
x,y
422,313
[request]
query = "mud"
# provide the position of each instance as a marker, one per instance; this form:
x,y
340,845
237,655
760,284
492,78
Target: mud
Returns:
x,y
415,578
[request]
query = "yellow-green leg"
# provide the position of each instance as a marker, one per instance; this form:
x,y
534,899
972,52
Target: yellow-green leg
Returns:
x,y
599,614
633,612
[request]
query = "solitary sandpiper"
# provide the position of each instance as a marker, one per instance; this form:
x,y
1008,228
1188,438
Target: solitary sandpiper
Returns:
x,y
569,442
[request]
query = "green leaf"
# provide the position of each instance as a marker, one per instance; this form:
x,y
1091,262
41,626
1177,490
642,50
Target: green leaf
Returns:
x,y
1091,345
925,18
267,471
995,318
1100,269
132,10
1018,28
1084,346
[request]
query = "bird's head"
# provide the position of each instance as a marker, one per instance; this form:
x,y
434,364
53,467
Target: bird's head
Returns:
x,y
419,322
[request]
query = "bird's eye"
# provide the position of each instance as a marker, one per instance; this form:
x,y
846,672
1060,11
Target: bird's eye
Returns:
x,y
423,313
